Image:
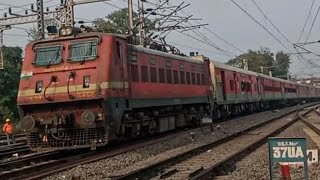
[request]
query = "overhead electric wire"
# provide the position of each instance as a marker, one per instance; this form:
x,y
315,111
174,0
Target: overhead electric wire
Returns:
x,y
304,26
265,16
261,25
312,24
182,45
205,42
112,5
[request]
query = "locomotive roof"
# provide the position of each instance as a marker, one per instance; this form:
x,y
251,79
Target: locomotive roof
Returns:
x,y
165,54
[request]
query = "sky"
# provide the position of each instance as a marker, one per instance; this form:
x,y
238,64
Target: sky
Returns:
x,y
224,19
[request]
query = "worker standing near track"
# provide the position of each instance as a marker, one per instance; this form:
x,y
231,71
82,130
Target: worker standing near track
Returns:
x,y
8,130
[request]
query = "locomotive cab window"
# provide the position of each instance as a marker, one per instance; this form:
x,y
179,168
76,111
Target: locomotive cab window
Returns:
x,y
48,55
82,51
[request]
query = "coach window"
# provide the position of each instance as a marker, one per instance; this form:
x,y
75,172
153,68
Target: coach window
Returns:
x,y
198,79
242,86
144,74
118,46
193,78
182,78
188,78
161,76
153,74
169,76
175,77
134,73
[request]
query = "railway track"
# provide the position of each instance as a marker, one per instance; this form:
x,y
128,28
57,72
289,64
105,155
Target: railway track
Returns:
x,y
45,164
35,166
17,149
214,158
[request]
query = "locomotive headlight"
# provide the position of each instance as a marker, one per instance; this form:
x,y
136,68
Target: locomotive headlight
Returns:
x,y
66,31
88,118
86,81
39,86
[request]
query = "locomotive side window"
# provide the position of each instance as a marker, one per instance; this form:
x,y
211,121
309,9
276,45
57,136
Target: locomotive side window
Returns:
x,y
82,51
48,55
161,76
198,79
175,77
203,80
188,78
134,73
144,74
182,79
169,76
153,74
193,78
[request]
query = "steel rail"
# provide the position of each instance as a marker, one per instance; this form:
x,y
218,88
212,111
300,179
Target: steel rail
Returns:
x,y
149,170
214,169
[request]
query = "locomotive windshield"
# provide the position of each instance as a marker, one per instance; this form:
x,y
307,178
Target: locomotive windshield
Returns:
x,y
81,51
48,55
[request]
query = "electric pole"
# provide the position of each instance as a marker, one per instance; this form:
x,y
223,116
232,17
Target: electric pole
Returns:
x,y
130,15
40,19
141,21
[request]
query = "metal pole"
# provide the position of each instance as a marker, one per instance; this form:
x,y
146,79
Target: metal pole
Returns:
x,y
130,14
40,19
69,13
1,45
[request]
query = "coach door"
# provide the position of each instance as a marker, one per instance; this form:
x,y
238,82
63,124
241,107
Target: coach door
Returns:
x,y
250,86
235,86
223,84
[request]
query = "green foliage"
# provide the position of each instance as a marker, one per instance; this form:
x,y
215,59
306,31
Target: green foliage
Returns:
x,y
264,58
118,22
9,82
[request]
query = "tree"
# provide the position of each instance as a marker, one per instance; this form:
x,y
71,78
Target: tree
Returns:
x,y
263,58
9,82
282,65
256,59
118,22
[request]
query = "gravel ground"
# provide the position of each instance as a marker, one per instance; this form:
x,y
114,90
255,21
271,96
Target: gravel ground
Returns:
x,y
128,161
260,170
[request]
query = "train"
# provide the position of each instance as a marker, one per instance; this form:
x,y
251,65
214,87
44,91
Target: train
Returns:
x,y
84,90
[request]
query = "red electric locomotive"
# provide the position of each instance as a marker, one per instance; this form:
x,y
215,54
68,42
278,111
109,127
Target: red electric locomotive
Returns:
x,y
83,90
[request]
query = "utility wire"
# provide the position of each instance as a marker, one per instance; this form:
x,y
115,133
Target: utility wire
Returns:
x,y
261,25
205,42
312,24
265,16
304,26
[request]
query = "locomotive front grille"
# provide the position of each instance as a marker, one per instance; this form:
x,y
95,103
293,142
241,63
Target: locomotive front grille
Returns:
x,y
72,139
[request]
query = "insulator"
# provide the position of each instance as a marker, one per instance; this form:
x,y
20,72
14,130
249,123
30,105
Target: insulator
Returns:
x,y
32,7
5,15
26,12
47,8
10,10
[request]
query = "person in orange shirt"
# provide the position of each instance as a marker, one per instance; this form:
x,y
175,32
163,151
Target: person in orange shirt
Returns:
x,y
8,129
